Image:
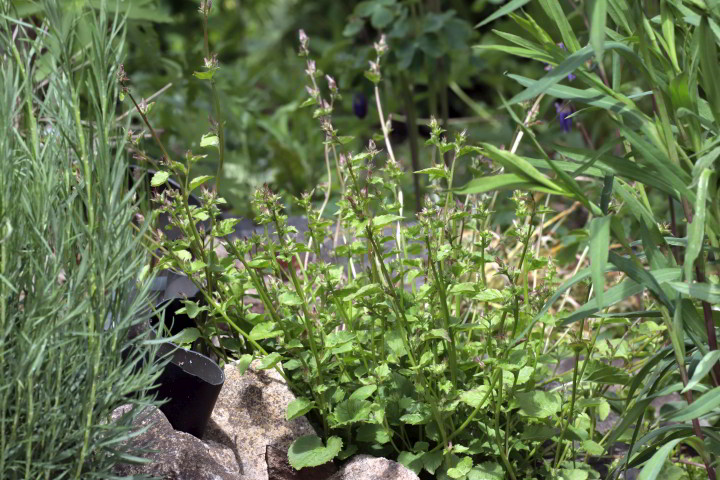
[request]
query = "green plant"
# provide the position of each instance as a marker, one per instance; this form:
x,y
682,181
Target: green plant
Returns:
x,y
649,73
69,260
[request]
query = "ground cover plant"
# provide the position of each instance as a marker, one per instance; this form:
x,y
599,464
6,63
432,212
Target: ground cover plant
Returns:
x,y
68,257
393,336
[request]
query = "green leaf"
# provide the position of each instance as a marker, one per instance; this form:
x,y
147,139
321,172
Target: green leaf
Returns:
x,y
209,140
488,295
187,335
703,368
364,392
298,407
435,172
593,448
476,396
597,28
461,469
555,12
269,361
309,451
350,411
696,230
192,309
654,466
197,181
502,11
538,404
264,330
243,363
290,298
703,291
183,255
599,251
708,402
372,433
519,165
382,220
159,178
709,67
487,471
504,181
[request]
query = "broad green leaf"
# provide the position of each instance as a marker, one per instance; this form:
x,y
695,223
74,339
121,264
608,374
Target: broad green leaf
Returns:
x,y
351,411
243,363
298,407
476,397
159,178
538,404
412,461
703,368
269,361
364,392
488,295
183,255
461,469
654,466
708,402
264,330
435,172
309,451
702,291
502,11
209,140
373,433
597,28
599,250
487,471
382,220
197,181
696,230
187,335
290,298
192,309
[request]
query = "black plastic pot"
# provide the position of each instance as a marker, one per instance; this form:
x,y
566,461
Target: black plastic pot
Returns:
x,y
190,382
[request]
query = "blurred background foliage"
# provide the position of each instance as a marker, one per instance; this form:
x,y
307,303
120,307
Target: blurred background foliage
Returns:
x,y
432,69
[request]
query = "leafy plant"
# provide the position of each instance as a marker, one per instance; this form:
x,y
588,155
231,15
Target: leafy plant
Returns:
x,y
69,259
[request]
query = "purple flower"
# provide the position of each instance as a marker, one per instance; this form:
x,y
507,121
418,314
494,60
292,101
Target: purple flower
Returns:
x,y
360,105
564,110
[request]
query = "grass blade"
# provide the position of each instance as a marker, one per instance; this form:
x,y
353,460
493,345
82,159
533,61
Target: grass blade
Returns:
x,y
599,250
597,28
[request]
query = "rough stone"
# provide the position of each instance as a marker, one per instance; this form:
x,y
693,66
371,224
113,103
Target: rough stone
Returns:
x,y
176,455
249,418
365,467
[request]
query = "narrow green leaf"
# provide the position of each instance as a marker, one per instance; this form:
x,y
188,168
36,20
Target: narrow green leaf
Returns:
x,y
703,368
504,181
502,11
708,402
702,291
519,165
554,10
710,70
597,28
654,466
187,335
696,230
599,250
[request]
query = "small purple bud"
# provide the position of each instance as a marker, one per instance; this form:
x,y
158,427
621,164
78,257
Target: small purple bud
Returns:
x,y
360,105
564,110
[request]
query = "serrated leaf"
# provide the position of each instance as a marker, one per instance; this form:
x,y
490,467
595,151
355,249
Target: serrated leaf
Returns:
x,y
382,220
488,295
351,411
476,397
290,298
197,181
372,433
264,330
192,309
209,140
436,172
269,361
309,451
159,178
538,404
298,407
243,363
364,392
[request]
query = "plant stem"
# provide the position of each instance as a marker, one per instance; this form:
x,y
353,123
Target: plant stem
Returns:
x,y
413,134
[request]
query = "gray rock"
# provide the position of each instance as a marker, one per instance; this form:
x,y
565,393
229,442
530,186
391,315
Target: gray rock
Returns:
x,y
365,467
249,418
176,455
